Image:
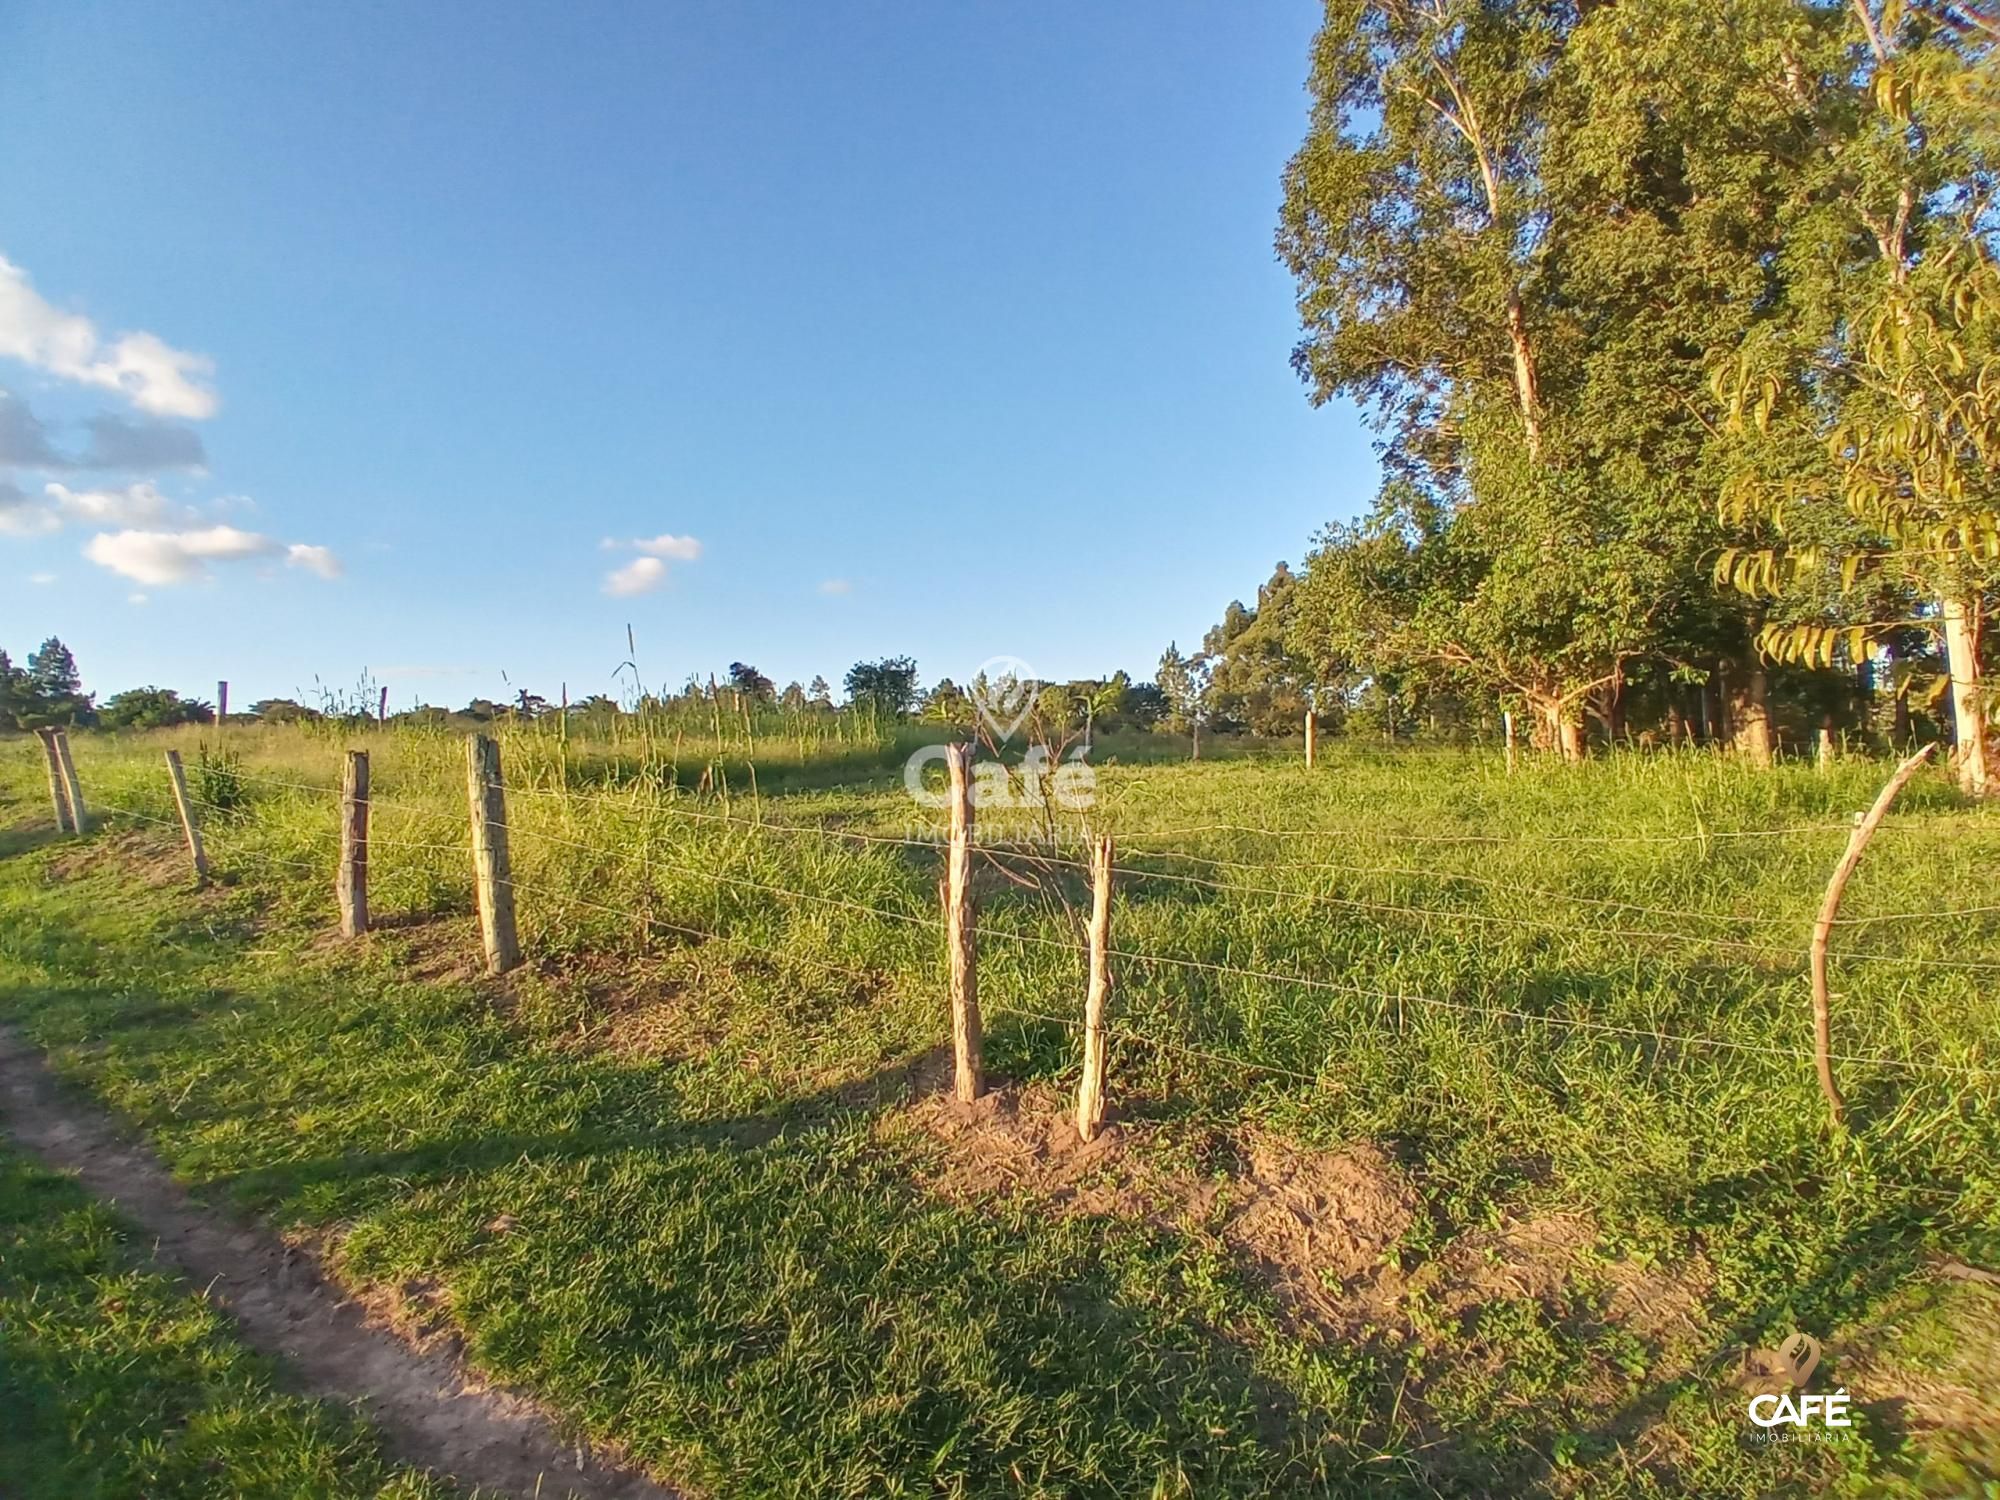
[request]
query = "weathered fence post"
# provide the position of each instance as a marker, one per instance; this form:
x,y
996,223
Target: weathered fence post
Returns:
x,y
350,877
382,706
79,820
1312,738
58,793
221,702
960,933
1090,1093
1507,724
1823,928
492,870
189,826
1826,752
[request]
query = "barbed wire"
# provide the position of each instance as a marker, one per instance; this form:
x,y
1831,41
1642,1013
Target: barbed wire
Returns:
x,y
1658,1036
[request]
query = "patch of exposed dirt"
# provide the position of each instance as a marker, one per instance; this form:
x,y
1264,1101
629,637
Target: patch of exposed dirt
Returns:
x,y
1958,1394
1320,1227
1317,1224
426,949
155,858
433,1411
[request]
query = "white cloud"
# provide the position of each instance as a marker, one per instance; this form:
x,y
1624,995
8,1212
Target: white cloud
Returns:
x,y
136,505
318,560
150,373
41,579
681,548
166,557
135,599
639,576
666,544
836,586
647,571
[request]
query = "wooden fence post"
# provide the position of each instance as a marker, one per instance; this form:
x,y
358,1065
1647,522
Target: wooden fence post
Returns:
x,y
1507,723
1090,1093
961,934
350,876
382,706
58,793
1312,738
189,826
492,870
79,820
221,702
1823,928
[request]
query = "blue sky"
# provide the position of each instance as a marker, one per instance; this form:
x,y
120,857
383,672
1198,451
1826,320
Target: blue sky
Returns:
x,y
945,330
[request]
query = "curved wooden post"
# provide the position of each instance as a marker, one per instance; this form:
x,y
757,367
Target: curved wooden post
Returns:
x,y
1823,928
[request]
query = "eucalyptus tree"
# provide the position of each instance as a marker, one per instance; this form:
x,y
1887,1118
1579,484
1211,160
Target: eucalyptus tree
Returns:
x,y
1885,347
1434,267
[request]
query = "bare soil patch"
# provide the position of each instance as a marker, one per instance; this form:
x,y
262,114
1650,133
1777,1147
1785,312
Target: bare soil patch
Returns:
x,y
1320,1227
433,1411
158,860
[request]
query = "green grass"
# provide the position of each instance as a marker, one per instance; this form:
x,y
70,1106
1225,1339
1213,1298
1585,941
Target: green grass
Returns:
x,y
119,1381
732,1260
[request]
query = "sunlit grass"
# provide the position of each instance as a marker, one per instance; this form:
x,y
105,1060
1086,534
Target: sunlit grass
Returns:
x,y
1566,991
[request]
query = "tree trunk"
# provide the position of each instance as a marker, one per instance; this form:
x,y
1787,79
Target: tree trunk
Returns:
x,y
1968,707
1676,725
1527,388
1558,725
1750,708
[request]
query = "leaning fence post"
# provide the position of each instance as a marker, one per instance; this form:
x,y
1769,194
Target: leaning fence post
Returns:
x,y
72,792
350,877
1090,1093
58,793
1823,928
492,871
960,932
185,806
1507,724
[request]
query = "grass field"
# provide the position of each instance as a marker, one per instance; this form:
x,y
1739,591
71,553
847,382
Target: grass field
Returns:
x,y
1467,1141
119,1381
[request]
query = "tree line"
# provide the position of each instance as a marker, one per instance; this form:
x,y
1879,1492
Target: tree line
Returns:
x,y
1677,324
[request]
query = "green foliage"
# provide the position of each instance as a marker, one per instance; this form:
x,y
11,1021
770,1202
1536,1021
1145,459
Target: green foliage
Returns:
x,y
50,691
217,780
152,708
887,687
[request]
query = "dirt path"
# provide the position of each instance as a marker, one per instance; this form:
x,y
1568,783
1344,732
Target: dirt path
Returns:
x,y
431,1413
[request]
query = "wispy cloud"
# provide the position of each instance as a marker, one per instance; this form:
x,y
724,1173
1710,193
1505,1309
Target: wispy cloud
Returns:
x,y
648,570
639,576
41,580
666,544
313,559
145,369
834,587
118,443
162,558
24,439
